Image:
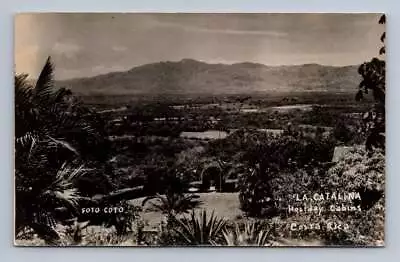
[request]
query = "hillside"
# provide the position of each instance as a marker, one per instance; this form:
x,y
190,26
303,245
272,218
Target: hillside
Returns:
x,y
190,76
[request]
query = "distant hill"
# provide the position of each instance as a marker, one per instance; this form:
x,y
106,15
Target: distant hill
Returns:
x,y
194,77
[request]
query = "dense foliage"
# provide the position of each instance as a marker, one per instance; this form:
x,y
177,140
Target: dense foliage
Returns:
x,y
268,160
374,80
54,137
363,172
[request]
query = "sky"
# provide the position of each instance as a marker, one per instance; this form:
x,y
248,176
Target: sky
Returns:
x,y
84,45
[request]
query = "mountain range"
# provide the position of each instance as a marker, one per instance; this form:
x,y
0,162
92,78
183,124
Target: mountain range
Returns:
x,y
190,76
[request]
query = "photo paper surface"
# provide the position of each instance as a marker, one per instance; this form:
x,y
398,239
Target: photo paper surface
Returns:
x,y
199,129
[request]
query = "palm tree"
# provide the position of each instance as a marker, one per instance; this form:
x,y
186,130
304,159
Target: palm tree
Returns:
x,y
37,106
44,118
53,115
37,200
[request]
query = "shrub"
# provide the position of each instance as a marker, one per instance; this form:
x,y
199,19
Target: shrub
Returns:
x,y
358,171
363,172
172,203
38,198
199,229
250,234
261,187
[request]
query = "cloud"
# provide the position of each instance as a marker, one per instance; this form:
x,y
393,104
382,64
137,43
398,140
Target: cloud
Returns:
x,y
88,44
198,29
68,50
119,48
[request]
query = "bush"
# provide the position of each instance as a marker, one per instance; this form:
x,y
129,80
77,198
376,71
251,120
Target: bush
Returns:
x,y
199,229
363,172
249,234
356,172
275,168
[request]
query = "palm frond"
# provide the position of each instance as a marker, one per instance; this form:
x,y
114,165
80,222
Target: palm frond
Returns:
x,y
25,114
33,143
66,175
21,81
61,192
58,142
68,196
44,84
27,139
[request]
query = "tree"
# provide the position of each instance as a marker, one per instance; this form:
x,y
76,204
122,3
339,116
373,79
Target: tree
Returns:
x,y
374,80
50,131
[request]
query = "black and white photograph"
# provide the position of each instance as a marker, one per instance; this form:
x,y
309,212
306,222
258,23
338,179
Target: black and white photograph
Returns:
x,y
199,129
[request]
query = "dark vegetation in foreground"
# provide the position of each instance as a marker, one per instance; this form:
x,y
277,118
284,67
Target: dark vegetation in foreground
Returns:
x,y
73,155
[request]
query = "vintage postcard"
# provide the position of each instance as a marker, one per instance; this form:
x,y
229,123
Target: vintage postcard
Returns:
x,y
199,129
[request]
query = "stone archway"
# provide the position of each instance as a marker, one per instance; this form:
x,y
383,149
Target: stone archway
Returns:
x,y
212,176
